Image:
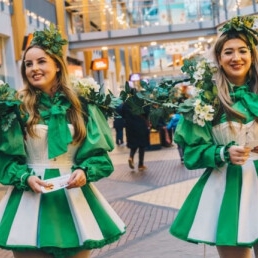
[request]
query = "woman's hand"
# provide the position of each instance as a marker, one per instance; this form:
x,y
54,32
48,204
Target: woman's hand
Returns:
x,y
239,154
77,179
35,183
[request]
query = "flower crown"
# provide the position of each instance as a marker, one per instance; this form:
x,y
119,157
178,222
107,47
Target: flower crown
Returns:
x,y
50,39
242,24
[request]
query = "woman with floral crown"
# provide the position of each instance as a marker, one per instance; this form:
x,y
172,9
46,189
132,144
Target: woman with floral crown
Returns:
x,y
222,207
52,147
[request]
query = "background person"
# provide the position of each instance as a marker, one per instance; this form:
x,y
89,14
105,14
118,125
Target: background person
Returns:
x,y
137,135
172,124
58,140
222,208
119,125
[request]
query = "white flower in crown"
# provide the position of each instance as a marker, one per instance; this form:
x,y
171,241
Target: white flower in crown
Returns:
x,y
2,83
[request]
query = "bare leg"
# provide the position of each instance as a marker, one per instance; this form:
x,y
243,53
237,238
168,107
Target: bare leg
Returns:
x,y
82,254
234,252
31,254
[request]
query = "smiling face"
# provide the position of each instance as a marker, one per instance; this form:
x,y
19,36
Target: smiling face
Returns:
x,y
40,70
235,59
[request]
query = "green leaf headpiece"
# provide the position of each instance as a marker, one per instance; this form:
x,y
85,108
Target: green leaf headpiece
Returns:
x,y
242,24
50,39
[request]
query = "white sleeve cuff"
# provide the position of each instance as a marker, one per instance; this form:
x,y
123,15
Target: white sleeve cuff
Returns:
x,y
221,153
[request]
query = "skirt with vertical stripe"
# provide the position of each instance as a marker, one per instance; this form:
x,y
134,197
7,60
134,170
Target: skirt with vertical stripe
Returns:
x,y
61,222
222,208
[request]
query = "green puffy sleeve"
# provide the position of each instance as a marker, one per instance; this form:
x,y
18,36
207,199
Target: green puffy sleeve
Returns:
x,y
200,151
13,167
92,156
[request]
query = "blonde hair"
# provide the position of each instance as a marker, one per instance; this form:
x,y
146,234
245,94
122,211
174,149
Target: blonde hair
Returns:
x,y
221,78
29,98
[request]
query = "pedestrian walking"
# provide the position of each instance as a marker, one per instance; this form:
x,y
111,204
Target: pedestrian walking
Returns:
x,y
119,125
137,135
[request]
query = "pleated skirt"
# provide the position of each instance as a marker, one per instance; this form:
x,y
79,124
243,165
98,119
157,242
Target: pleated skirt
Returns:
x,y
222,208
61,223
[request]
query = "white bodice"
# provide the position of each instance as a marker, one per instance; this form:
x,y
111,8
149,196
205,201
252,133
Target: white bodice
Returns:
x,y
37,152
243,134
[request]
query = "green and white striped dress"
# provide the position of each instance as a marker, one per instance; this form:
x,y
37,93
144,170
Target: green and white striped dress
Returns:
x,y
222,208
66,221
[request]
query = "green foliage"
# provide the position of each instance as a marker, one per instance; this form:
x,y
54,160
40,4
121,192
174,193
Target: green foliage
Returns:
x,y
201,73
157,97
186,108
7,93
189,68
107,103
91,91
8,106
244,25
50,39
165,98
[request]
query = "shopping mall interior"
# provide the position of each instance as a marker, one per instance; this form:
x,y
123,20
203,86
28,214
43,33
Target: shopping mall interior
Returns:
x,y
116,41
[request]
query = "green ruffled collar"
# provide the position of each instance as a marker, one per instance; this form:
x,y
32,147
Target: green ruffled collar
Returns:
x,y
237,92
248,99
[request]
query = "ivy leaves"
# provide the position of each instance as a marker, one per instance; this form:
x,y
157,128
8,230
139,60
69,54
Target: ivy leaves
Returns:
x,y
50,39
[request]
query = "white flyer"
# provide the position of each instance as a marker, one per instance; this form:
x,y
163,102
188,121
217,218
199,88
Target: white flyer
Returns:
x,y
252,144
254,148
55,183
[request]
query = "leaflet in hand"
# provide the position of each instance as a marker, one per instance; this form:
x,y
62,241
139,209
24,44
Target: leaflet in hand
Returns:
x,y
55,183
252,144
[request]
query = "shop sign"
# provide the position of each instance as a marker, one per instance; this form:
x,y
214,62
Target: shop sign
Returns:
x,y
99,64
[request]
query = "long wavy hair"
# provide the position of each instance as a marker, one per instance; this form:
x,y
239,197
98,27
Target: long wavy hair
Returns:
x,y
29,98
221,78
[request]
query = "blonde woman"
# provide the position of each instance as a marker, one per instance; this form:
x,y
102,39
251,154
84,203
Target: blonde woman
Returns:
x,y
49,157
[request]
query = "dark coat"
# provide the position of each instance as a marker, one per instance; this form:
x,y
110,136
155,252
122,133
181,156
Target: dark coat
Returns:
x,y
136,128
119,122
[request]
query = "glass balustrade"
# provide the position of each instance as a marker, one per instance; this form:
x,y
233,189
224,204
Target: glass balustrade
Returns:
x,y
100,15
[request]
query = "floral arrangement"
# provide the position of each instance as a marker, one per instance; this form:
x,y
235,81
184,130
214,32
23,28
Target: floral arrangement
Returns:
x,y
8,103
6,92
90,91
204,104
202,113
84,86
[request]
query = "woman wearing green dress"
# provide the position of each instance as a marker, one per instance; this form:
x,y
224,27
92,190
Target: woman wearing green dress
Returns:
x,y
49,133
222,208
